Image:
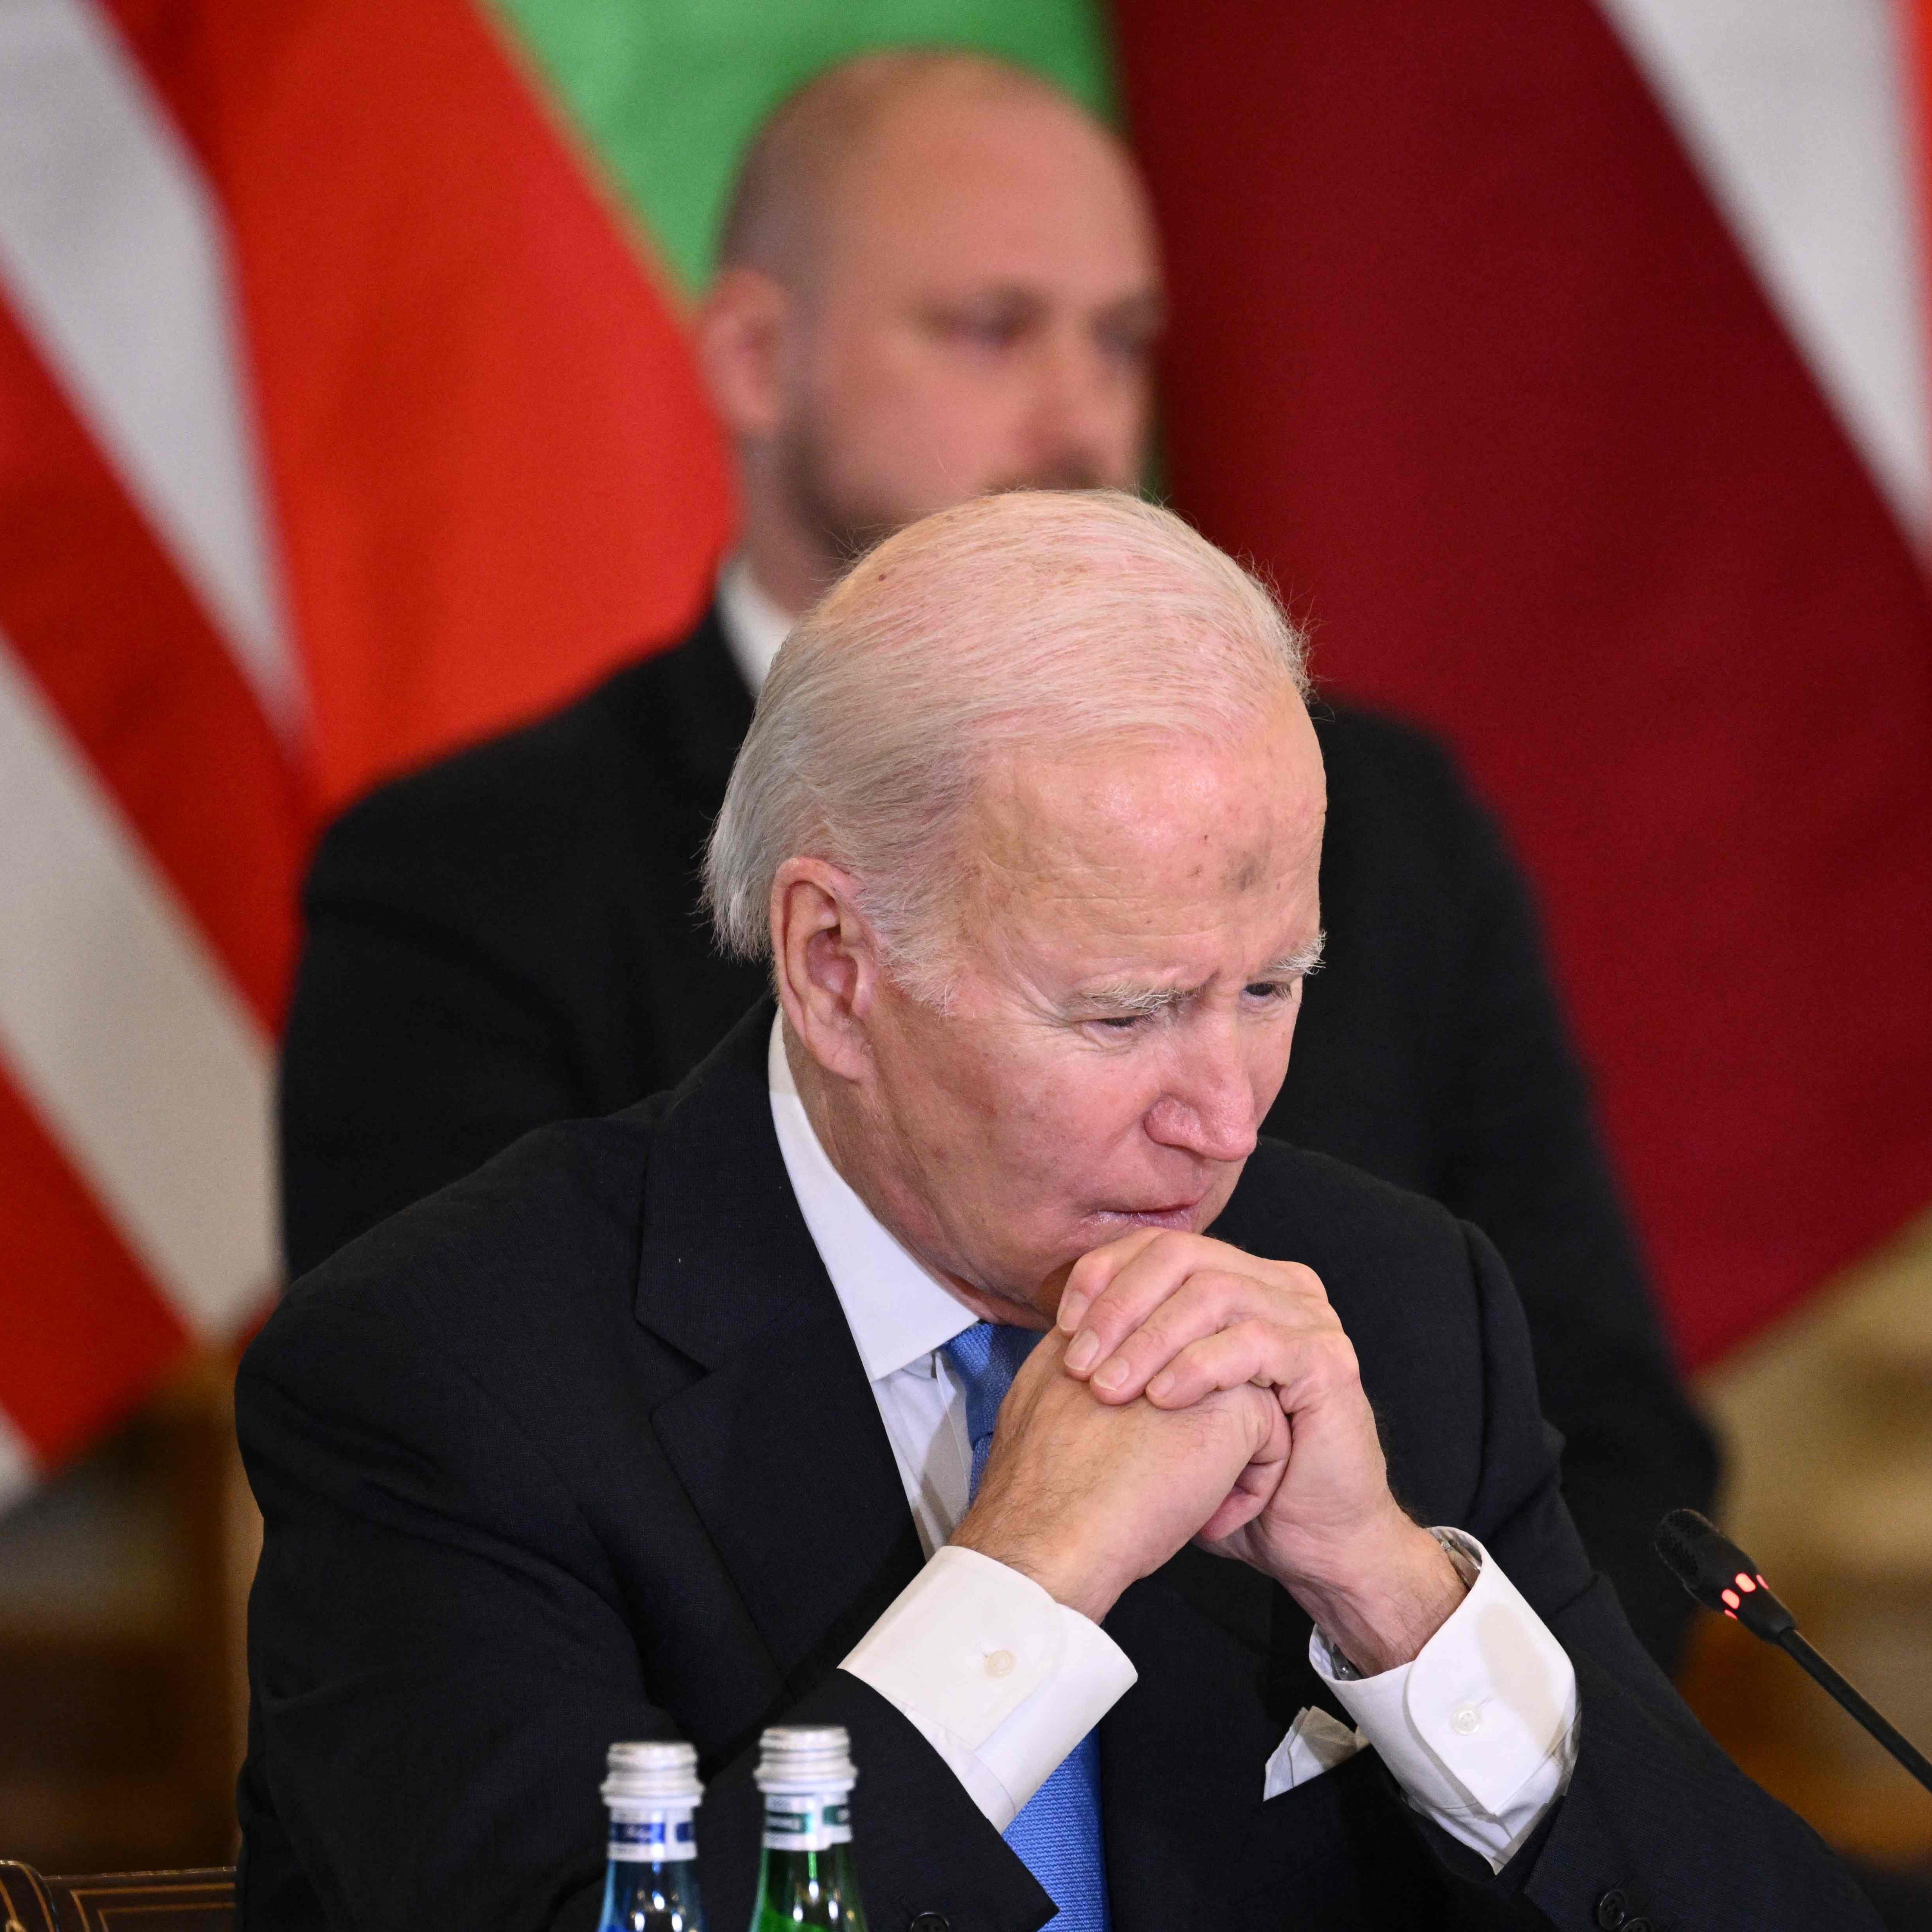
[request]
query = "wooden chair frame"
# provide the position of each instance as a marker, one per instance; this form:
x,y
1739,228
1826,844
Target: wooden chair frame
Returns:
x,y
154,1901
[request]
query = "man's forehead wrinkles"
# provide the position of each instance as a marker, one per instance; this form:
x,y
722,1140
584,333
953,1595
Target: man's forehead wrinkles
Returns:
x,y
1056,851
1109,824
1112,889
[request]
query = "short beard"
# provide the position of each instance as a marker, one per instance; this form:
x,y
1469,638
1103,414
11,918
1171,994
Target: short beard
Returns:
x,y
846,526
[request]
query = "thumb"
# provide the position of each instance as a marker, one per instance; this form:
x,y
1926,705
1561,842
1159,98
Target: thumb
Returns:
x,y
1267,1425
1256,1481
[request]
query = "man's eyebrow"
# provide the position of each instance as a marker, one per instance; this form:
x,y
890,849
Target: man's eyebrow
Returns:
x,y
1003,297
1299,964
1140,1000
1145,308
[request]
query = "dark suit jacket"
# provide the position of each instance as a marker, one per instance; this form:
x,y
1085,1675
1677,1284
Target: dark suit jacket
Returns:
x,y
581,1448
514,937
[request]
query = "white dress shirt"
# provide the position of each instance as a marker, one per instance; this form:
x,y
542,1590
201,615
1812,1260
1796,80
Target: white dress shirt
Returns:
x,y
753,626
1480,1730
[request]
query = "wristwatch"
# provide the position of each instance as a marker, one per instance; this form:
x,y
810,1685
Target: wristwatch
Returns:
x,y
1467,1564
1457,1547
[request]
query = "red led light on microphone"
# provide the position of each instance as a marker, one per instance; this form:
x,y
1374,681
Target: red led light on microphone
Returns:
x,y
1699,1556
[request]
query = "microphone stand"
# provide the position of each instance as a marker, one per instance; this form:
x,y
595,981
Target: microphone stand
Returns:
x,y
1900,1746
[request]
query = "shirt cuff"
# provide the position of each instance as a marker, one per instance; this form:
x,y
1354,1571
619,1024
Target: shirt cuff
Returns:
x,y
1480,1730
999,1678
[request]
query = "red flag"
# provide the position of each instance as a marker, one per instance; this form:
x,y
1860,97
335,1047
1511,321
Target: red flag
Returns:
x,y
1517,399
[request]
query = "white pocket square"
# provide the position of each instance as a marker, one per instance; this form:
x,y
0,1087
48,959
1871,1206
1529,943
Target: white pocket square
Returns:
x,y
1315,1743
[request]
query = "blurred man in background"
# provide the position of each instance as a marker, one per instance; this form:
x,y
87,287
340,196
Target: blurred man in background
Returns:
x,y
938,277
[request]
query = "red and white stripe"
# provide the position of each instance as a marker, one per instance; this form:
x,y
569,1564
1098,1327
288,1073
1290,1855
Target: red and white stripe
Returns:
x,y
339,421
122,1028
115,262
147,693
1802,118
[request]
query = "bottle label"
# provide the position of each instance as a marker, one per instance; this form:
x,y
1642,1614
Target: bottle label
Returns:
x,y
660,1840
807,1824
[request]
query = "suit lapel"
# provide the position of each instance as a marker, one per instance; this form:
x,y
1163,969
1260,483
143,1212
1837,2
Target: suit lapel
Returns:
x,y
778,1443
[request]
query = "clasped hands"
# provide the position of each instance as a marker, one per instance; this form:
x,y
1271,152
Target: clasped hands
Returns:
x,y
1190,1390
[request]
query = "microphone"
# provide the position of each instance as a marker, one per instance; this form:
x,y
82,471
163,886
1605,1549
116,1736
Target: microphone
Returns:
x,y
1721,1577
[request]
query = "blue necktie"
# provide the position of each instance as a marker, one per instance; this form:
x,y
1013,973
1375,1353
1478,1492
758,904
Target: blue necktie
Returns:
x,y
1057,1832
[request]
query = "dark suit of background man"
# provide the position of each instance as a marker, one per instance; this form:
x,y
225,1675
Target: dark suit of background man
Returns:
x,y
929,1364
514,938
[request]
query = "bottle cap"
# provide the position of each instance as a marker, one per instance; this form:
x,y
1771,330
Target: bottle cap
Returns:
x,y
806,1758
642,1774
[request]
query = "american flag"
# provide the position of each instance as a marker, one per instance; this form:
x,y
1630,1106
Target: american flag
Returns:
x,y
342,417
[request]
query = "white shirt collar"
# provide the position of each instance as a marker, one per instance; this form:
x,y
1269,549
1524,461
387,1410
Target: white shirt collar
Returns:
x,y
754,627
897,1310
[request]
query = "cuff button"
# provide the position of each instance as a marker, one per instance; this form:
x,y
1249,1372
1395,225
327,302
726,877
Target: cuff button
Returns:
x,y
999,1663
930,1922
1466,1720
1613,1911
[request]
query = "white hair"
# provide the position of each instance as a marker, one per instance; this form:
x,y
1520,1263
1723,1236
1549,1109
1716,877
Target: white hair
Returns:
x,y
1012,625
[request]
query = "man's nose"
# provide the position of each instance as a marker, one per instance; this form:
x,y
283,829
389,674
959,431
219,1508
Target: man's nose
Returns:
x,y
1208,1109
1085,426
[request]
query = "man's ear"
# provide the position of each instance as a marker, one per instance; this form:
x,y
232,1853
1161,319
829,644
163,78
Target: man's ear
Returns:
x,y
826,960
741,341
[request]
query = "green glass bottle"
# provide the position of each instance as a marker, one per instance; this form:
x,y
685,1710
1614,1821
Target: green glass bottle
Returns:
x,y
651,1883
806,1877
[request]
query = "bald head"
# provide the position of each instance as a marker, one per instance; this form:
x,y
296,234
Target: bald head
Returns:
x,y
938,278
784,201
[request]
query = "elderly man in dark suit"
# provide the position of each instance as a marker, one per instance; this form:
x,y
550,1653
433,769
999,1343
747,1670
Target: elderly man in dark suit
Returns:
x,y
948,1358
939,278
